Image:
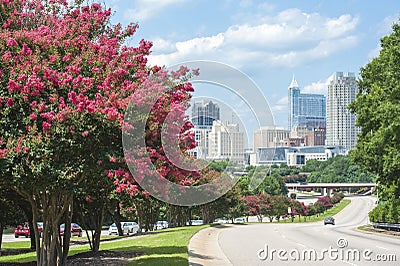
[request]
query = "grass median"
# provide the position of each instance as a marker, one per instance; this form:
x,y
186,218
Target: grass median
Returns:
x,y
166,247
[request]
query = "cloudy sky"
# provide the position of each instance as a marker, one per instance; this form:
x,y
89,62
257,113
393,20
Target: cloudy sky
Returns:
x,y
270,41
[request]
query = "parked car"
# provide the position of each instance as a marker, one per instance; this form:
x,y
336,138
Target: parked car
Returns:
x,y
127,228
114,230
329,220
23,230
195,222
239,220
221,221
76,230
160,225
133,227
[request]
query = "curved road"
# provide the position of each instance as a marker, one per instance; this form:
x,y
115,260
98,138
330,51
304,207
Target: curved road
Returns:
x,y
305,244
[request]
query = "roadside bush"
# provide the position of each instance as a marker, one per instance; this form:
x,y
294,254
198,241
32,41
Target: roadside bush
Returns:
x,y
386,213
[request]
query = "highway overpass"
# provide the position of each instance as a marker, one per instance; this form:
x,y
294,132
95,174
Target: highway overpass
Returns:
x,y
327,188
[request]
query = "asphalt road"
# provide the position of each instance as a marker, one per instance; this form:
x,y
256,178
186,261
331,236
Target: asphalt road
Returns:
x,y
311,244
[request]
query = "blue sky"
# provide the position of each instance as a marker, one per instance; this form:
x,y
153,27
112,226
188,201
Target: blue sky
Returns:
x,y
267,40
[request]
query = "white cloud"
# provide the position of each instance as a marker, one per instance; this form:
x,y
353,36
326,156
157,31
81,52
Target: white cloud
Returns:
x,y
319,87
385,26
280,105
146,9
163,46
283,100
290,38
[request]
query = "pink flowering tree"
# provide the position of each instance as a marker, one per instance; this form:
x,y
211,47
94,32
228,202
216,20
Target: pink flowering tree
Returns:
x,y
258,205
66,81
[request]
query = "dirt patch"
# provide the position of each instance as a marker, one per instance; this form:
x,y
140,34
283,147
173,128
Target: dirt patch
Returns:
x,y
101,258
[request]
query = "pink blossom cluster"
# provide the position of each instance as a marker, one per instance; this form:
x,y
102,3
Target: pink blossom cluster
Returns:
x,y
63,63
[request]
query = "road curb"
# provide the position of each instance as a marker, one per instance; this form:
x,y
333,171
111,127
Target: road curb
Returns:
x,y
204,248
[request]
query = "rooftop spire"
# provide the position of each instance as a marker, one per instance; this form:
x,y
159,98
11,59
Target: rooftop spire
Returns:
x,y
294,84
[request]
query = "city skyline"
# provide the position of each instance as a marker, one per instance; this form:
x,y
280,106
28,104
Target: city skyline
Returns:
x,y
269,41
305,109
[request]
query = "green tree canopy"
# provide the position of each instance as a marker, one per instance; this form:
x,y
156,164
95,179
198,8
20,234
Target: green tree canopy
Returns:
x,y
337,169
377,107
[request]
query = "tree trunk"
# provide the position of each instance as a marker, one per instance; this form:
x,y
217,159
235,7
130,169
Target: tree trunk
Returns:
x,y
177,216
35,213
32,233
67,235
1,234
207,214
116,217
53,250
97,230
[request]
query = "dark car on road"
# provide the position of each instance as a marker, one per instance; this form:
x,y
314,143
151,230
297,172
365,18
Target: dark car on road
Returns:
x,y
329,220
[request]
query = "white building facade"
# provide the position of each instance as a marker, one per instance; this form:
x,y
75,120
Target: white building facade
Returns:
x,y
341,127
270,137
226,142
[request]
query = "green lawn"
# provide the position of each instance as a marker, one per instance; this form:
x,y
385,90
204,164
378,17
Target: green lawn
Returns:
x,y
167,247
16,245
367,228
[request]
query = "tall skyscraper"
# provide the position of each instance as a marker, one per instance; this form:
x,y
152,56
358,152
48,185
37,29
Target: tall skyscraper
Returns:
x,y
340,123
305,109
204,113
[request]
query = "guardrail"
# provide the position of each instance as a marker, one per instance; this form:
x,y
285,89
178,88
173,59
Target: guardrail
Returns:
x,y
387,226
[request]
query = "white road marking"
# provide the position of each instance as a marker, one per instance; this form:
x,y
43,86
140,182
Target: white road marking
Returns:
x,y
349,263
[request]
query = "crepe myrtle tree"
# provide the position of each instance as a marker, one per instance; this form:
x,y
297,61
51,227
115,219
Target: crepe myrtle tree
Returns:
x,y
66,79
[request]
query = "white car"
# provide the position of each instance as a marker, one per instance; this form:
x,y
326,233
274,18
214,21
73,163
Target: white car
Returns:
x,y
127,228
133,227
161,225
221,221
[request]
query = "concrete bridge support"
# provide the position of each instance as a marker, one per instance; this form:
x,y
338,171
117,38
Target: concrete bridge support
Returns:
x,y
326,191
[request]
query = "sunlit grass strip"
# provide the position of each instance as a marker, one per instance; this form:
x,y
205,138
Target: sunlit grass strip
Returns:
x,y
16,245
167,247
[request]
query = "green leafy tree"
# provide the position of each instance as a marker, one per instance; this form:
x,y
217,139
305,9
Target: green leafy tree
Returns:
x,y
279,206
338,169
377,107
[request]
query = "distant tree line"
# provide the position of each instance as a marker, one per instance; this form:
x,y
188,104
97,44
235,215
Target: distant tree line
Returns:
x,y
338,169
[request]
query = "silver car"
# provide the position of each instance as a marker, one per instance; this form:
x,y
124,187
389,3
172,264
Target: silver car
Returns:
x,y
127,228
